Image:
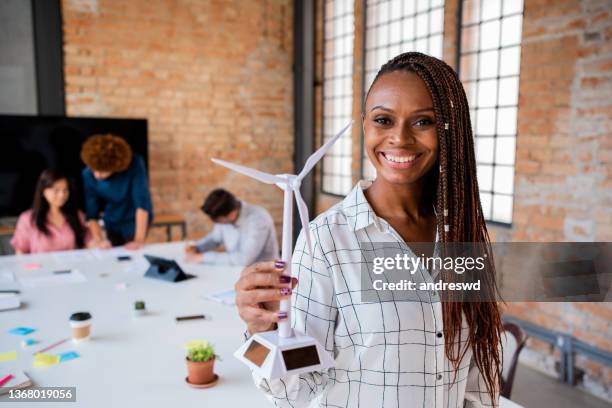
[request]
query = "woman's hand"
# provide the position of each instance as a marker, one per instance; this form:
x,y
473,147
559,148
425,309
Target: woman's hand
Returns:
x,y
191,249
134,245
258,291
102,244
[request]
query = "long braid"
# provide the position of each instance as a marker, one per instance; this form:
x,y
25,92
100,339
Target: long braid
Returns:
x,y
459,213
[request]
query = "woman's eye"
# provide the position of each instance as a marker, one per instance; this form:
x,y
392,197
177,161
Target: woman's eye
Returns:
x,y
423,122
382,121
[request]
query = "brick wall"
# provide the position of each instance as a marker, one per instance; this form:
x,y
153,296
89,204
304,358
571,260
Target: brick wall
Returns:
x,y
213,78
563,184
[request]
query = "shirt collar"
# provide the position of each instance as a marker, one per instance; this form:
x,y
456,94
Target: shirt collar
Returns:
x,y
242,214
357,210
359,213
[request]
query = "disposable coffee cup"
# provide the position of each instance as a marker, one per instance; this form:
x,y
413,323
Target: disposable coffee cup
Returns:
x,y
80,323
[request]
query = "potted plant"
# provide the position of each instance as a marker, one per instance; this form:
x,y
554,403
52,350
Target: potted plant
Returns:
x,y
139,308
200,364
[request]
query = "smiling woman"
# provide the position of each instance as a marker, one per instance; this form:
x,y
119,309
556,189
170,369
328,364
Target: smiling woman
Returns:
x,y
435,352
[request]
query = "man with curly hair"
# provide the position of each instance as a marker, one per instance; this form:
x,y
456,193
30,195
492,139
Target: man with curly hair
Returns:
x,y
115,184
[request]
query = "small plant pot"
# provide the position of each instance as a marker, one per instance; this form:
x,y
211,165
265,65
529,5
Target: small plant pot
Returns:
x,y
200,372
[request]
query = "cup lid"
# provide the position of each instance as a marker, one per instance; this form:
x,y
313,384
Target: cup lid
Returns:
x,y
80,316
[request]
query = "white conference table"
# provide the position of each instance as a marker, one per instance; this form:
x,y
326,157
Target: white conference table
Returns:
x,y
129,361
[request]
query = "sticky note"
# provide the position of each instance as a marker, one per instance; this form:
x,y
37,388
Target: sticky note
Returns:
x,y
28,342
68,355
32,265
8,356
43,360
21,331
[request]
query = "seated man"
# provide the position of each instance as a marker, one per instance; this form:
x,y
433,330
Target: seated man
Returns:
x,y
246,231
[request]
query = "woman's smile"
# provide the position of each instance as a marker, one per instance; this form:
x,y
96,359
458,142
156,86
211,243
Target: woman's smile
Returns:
x,y
399,160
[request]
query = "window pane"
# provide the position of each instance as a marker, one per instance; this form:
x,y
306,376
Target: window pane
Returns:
x,y
508,91
469,64
504,179
485,122
502,208
484,149
484,174
488,64
436,21
506,121
514,6
511,30
470,92
471,11
489,35
469,39
435,46
337,92
510,61
485,202
487,93
491,9
505,147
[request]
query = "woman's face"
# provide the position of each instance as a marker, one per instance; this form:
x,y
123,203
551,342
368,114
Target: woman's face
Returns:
x,y
57,194
399,127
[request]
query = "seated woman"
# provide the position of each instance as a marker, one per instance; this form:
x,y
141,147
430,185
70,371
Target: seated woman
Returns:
x,y
54,222
115,182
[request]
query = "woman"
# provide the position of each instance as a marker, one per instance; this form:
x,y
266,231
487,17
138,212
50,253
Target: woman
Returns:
x,y
115,182
54,223
391,354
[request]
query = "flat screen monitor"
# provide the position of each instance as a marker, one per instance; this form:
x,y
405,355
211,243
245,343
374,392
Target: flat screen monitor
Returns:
x,y
31,144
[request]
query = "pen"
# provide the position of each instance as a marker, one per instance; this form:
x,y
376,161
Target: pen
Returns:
x,y
10,291
62,271
5,379
51,346
194,317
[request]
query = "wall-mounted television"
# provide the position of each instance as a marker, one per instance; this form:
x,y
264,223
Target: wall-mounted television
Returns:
x,y
31,144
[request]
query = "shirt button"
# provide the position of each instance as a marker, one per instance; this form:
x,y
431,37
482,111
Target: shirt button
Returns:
x,y
439,334
439,377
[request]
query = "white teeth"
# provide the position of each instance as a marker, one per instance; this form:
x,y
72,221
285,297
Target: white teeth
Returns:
x,y
400,159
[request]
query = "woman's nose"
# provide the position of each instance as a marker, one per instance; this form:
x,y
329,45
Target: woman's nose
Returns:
x,y
402,135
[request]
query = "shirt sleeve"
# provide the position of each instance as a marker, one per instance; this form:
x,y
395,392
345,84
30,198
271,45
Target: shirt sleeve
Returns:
x,y
253,239
476,394
210,241
140,187
92,200
23,232
314,313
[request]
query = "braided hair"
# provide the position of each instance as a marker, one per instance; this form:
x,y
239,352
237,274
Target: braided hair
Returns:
x,y
453,189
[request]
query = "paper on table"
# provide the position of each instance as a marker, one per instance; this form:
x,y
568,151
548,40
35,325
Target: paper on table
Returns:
x,y
8,356
43,360
6,276
227,297
22,331
41,281
68,355
73,256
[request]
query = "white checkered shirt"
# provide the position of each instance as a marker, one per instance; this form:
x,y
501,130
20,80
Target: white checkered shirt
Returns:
x,y
387,354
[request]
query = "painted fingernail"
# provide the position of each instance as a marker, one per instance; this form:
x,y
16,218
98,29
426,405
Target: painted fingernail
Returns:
x,y
279,264
284,279
282,315
285,291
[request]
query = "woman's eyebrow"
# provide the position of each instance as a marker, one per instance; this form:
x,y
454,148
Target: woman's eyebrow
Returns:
x,y
423,110
381,107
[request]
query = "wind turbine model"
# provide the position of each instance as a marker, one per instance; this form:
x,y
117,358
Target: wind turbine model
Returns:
x,y
274,354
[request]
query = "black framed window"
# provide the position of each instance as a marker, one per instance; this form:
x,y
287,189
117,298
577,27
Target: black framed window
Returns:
x,y
489,67
396,26
339,30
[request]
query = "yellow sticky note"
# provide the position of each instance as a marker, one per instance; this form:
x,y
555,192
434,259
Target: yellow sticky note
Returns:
x,y
43,360
8,356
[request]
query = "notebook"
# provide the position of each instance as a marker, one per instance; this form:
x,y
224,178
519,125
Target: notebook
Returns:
x,y
19,380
